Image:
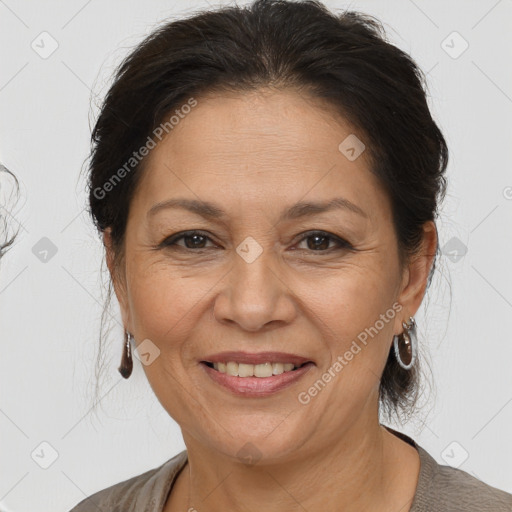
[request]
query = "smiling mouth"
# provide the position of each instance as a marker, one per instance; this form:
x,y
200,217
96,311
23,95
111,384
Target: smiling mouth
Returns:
x,y
243,370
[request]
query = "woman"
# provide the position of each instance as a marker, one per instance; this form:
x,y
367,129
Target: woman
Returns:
x,y
266,180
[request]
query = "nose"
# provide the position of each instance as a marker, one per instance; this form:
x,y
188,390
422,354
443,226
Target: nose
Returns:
x,y
255,295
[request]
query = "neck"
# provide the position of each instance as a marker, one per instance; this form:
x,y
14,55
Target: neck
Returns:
x,y
363,470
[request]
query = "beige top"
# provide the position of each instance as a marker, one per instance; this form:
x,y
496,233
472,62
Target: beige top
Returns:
x,y
440,489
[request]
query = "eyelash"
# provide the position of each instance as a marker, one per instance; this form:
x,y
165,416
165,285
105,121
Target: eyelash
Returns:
x,y
171,241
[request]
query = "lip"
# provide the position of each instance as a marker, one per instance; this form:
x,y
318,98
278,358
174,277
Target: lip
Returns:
x,y
256,386
256,358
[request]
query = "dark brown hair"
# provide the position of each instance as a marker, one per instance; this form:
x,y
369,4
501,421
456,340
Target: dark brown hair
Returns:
x,y
9,182
344,59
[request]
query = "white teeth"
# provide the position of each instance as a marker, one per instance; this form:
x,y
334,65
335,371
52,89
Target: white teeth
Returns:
x,y
263,370
245,370
277,368
253,370
232,369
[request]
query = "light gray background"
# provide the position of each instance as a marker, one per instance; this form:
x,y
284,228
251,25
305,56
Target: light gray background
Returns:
x,y
49,311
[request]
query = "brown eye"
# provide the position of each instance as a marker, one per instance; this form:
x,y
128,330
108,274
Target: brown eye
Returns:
x,y
319,241
196,241
192,240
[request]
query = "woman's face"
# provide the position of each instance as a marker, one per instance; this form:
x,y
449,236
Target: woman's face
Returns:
x,y
258,281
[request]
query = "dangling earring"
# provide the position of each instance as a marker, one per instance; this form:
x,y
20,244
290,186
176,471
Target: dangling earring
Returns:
x,y
126,361
406,353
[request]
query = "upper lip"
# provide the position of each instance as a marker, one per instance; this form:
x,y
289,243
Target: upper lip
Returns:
x,y
256,358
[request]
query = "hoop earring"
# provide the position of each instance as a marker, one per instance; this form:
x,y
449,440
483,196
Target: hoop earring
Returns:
x,y
406,352
126,360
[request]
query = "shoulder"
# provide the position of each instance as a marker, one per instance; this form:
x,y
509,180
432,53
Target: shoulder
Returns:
x,y
448,489
144,492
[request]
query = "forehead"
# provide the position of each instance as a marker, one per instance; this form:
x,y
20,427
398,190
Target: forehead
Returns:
x,y
265,145
263,123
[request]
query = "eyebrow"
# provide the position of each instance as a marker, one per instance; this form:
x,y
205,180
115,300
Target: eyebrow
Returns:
x,y
298,210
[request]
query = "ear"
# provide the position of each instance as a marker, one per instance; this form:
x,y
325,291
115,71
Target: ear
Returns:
x,y
415,276
117,277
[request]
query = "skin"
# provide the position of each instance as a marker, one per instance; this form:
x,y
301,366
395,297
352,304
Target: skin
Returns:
x,y
255,155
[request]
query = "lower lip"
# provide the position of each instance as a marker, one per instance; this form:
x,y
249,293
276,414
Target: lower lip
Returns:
x,y
257,386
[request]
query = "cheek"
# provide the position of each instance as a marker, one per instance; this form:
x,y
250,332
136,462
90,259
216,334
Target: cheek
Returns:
x,y
347,313
349,301
162,303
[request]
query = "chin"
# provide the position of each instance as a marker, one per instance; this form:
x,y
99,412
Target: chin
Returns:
x,y
259,440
